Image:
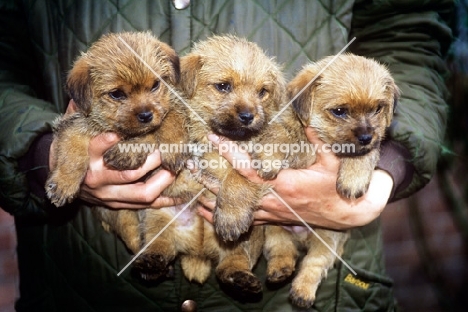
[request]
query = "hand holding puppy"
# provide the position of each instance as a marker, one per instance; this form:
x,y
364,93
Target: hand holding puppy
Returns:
x,y
115,188
312,193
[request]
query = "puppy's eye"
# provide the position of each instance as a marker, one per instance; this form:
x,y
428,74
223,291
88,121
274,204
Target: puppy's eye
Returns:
x,y
339,112
155,86
378,110
118,95
223,87
262,93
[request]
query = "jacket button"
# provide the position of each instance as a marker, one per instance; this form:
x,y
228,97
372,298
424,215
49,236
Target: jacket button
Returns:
x,y
181,4
189,306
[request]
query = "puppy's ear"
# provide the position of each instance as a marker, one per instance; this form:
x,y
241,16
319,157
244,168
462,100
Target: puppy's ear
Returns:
x,y
190,66
79,85
301,92
175,62
396,97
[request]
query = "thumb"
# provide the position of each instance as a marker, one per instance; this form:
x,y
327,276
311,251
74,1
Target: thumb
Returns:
x,y
101,143
323,151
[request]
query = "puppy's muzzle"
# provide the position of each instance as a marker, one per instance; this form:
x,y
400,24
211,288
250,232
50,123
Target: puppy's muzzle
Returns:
x,y
365,139
364,135
245,118
145,117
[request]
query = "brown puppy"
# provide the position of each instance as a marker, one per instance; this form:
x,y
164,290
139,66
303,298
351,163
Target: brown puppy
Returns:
x,y
118,91
233,89
350,103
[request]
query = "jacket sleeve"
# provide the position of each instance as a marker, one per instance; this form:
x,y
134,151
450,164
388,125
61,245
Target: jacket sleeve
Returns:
x,y
23,116
412,39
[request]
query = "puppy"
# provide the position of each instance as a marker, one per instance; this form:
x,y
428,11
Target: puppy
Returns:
x,y
121,85
233,89
350,103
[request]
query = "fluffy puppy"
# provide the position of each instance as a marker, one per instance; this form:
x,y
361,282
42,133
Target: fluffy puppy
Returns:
x,y
121,85
350,103
233,89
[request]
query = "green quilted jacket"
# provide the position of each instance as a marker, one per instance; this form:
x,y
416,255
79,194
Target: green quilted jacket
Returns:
x,y
68,263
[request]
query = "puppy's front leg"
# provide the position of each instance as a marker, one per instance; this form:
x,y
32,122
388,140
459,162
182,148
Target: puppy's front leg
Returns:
x,y
355,174
235,204
173,132
71,159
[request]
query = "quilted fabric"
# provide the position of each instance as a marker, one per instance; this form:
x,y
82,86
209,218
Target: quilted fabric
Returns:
x,y
266,22
39,41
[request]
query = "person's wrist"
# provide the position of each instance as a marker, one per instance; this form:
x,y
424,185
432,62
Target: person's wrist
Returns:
x,y
36,164
394,159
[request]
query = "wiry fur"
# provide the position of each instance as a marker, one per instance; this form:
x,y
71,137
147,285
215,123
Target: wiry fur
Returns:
x,y
366,92
116,92
245,67
254,90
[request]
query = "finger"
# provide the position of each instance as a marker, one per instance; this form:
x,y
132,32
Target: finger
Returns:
x,y
208,203
98,175
139,193
210,182
206,214
236,156
322,150
160,202
52,162
100,144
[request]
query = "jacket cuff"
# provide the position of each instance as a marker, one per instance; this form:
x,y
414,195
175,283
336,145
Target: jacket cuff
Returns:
x,y
36,164
395,160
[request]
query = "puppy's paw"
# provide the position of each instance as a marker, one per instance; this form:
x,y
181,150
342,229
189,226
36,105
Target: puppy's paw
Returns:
x,y
352,188
354,175
230,226
301,298
173,162
280,268
268,166
268,173
61,191
121,160
243,281
152,266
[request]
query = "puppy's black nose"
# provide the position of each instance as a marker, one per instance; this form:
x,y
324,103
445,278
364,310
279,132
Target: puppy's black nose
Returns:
x,y
145,117
365,139
246,118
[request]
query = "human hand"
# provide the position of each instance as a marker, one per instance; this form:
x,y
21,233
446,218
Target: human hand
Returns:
x,y
311,193
119,189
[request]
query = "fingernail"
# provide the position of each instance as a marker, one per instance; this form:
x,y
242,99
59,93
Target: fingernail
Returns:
x,y
110,137
213,138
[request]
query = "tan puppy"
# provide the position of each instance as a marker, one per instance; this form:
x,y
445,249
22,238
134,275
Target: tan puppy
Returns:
x,y
236,89
233,89
350,103
117,91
